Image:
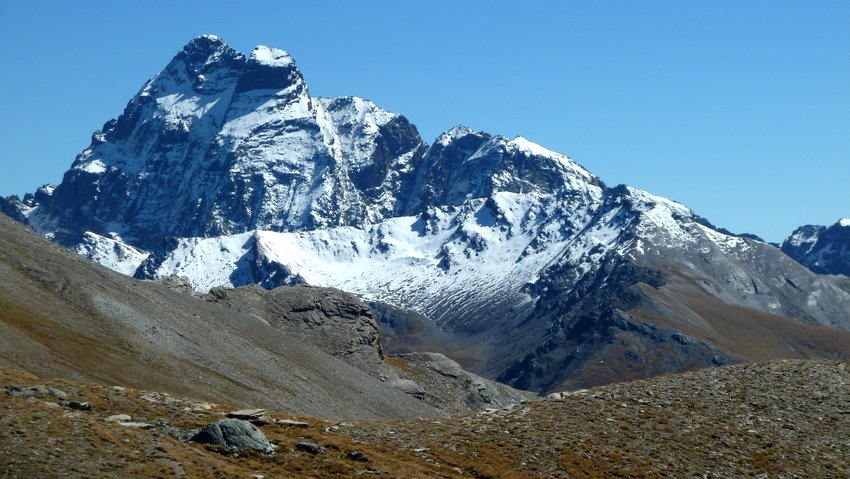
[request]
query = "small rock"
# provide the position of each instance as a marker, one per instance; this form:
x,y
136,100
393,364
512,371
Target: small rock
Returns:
x,y
236,433
140,425
309,447
79,406
291,423
357,456
119,418
409,387
257,417
57,393
201,406
247,414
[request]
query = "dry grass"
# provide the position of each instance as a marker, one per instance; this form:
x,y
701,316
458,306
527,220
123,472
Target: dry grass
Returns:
x,y
784,419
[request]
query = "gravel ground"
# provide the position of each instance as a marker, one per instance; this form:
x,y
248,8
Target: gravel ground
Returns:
x,y
779,419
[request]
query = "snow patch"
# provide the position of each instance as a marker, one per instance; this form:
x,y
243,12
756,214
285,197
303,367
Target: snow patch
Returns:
x,y
727,243
531,148
450,258
272,57
115,255
94,166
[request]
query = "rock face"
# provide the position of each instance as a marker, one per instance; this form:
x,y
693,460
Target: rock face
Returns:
x,y
336,322
822,249
339,324
235,433
229,173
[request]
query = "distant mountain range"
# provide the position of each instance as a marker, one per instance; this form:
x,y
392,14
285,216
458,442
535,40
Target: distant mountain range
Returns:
x,y
513,259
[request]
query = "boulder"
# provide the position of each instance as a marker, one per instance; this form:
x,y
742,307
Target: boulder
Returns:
x,y
235,433
357,456
309,447
292,423
119,418
38,392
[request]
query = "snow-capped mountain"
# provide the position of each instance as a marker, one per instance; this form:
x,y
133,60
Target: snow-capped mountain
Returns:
x,y
218,143
823,249
224,169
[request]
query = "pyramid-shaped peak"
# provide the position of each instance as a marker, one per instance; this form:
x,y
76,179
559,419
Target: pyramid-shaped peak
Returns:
x,y
205,45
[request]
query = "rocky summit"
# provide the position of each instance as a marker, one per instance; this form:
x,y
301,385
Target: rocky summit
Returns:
x,y
823,249
516,261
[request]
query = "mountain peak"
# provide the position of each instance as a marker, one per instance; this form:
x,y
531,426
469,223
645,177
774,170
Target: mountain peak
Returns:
x,y
532,148
269,69
272,57
845,222
455,132
207,39
205,46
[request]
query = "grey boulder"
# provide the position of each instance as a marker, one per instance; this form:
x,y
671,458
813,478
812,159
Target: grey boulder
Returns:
x,y
235,433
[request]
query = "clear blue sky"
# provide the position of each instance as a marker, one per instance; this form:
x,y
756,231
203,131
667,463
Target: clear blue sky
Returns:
x,y
738,109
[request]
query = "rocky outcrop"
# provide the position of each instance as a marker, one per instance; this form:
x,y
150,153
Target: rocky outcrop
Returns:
x,y
12,207
343,326
443,383
335,322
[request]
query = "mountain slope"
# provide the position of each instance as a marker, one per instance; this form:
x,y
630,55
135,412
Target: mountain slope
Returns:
x,y
225,170
61,315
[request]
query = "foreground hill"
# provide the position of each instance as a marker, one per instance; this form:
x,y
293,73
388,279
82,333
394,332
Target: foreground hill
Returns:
x,y
307,350
781,419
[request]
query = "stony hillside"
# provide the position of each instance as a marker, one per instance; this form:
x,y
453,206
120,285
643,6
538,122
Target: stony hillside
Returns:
x,y
783,419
